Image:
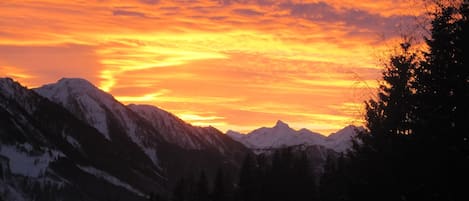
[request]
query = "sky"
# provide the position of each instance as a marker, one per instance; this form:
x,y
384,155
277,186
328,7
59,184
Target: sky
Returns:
x,y
231,64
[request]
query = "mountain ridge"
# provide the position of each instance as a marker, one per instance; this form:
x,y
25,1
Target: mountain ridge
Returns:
x,y
281,135
100,140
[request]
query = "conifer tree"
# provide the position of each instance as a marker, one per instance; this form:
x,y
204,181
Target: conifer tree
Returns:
x,y
219,190
179,191
202,193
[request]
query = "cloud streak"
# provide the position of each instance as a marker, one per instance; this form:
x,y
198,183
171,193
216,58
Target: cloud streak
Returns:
x,y
248,63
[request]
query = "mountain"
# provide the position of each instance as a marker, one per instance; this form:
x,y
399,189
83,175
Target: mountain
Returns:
x,y
178,132
100,110
71,141
46,151
342,139
281,135
177,148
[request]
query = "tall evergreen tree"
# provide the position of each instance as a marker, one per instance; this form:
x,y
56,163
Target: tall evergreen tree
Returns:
x,y
377,159
202,192
247,181
443,95
179,191
416,143
219,190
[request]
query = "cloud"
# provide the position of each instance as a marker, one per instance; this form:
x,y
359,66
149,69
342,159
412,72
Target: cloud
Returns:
x,y
128,13
151,2
358,21
247,12
299,60
45,64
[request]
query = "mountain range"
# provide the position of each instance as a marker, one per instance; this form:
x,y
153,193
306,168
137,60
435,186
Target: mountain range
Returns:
x,y
281,135
80,143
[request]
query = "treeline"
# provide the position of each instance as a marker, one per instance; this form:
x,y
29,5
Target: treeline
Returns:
x,y
416,142
284,175
416,146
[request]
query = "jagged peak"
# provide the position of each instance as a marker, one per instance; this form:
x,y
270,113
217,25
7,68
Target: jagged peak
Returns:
x,y
281,124
10,87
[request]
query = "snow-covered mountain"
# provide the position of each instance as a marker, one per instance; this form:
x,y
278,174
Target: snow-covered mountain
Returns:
x,y
163,137
72,135
176,131
342,140
43,146
281,135
101,111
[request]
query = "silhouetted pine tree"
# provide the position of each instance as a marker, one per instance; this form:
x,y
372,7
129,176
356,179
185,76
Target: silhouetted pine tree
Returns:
x,y
179,191
219,191
335,179
247,181
304,187
377,160
442,128
202,192
416,145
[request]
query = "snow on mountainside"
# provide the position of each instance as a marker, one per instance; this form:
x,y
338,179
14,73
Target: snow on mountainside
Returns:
x,y
100,110
43,145
281,135
342,139
165,139
88,98
176,131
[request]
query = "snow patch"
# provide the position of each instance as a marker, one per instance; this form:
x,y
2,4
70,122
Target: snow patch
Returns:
x,y
94,114
109,178
23,162
73,142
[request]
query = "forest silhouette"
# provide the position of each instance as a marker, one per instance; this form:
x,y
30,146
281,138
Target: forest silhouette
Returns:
x,y
415,145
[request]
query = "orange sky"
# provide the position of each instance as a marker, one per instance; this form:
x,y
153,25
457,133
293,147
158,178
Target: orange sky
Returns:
x,y
232,64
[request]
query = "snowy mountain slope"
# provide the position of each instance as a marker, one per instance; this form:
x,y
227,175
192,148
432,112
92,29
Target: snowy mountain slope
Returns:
x,y
341,140
176,131
281,135
41,143
174,146
101,111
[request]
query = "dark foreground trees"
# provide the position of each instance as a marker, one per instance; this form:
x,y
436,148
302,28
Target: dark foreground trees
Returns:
x,y
416,146
284,175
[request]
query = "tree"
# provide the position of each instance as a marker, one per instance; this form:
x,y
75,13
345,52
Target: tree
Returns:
x,y
219,190
416,143
377,160
202,193
179,191
247,182
443,93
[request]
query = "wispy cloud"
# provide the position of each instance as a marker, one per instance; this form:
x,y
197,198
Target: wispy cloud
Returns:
x,y
248,62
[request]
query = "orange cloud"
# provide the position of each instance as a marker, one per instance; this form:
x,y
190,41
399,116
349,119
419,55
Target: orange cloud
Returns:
x,y
230,64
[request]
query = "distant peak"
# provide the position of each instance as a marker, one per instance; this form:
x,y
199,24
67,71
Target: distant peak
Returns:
x,y
75,82
228,132
281,124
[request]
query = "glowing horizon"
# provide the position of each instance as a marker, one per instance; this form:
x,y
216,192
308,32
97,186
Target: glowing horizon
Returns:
x,y
235,65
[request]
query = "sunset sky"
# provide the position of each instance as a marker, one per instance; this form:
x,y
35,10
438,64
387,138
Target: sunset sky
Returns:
x,y
232,64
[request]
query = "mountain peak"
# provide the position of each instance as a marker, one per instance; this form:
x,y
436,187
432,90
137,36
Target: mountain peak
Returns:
x,y
76,83
10,87
6,82
281,124
66,87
